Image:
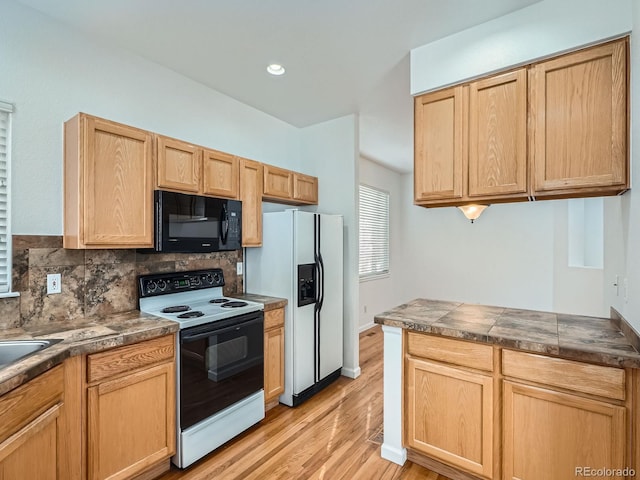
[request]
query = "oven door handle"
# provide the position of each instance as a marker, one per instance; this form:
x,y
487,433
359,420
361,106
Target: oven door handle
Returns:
x,y
192,337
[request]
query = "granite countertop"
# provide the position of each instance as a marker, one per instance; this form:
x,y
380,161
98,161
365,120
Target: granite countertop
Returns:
x,y
574,337
82,336
270,303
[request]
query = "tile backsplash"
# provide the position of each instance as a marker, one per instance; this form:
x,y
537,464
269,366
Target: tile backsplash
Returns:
x,y
94,282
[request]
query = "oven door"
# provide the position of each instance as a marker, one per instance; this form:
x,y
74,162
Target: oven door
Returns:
x,y
220,363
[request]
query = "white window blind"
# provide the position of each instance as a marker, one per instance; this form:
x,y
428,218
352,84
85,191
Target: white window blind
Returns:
x,y
374,232
5,162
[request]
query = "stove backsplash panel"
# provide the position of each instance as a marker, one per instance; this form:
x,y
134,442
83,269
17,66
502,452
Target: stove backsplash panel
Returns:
x,y
94,282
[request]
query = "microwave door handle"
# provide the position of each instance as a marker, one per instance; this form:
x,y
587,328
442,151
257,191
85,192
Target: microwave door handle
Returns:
x,y
224,224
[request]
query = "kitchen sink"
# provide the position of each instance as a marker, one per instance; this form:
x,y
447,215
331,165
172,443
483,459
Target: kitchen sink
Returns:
x,y
14,350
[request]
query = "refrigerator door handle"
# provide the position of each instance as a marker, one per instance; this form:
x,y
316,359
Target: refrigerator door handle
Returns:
x,y
321,282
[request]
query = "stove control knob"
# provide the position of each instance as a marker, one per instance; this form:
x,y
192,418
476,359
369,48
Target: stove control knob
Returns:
x,y
208,278
195,281
162,285
151,286
216,278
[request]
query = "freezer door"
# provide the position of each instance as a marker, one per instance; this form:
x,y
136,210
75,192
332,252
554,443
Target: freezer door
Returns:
x,y
303,317
331,313
303,349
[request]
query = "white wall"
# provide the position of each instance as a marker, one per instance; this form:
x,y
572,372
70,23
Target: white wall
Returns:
x,y
330,151
540,30
51,73
380,294
506,257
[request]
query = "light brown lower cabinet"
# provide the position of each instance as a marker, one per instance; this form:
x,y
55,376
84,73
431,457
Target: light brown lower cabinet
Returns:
x,y
31,430
273,355
550,435
130,409
450,414
527,417
107,415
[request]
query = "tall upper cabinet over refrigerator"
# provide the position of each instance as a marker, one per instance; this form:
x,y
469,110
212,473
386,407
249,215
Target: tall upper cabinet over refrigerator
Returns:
x,y
301,260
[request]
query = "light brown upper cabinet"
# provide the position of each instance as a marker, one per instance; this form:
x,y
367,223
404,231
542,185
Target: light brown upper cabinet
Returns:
x,y
305,188
278,183
251,196
286,186
438,156
178,165
498,136
470,142
579,112
486,142
221,174
183,167
108,184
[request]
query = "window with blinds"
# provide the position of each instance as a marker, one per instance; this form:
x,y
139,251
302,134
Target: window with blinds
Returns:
x,y
374,232
5,162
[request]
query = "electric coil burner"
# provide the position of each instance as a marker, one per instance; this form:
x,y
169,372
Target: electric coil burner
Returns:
x,y
176,309
220,368
236,304
191,314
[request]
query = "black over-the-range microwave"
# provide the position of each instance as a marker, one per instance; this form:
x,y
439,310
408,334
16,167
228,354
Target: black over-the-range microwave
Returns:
x,y
196,224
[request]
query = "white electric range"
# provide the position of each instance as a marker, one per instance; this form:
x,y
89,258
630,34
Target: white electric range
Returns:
x,y
220,364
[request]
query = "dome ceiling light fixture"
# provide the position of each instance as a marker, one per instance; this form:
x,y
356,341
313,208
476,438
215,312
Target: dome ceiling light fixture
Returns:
x,y
472,211
275,69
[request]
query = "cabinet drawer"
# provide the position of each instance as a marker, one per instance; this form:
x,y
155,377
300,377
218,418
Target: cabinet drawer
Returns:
x,y
131,357
28,401
577,376
457,352
274,318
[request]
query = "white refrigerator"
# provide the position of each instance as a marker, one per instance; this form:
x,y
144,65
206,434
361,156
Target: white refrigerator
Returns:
x,y
301,260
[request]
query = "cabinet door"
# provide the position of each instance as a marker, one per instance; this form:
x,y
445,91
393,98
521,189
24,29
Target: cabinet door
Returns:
x,y
305,188
549,434
579,121
498,135
278,183
449,415
32,452
131,423
117,183
178,165
251,196
220,172
273,362
439,150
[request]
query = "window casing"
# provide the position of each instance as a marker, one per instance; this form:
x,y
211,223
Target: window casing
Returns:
x,y
5,196
374,233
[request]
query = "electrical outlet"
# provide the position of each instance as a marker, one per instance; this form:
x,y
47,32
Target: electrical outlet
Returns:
x,y
54,283
239,268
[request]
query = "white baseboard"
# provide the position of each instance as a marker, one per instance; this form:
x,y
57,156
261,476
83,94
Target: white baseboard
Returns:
x,y
393,454
366,326
351,372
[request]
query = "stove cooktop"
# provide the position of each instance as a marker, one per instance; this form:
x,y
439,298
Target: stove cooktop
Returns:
x,y
190,298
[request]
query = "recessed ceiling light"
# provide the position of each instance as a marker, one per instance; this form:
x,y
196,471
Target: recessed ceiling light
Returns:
x,y
275,69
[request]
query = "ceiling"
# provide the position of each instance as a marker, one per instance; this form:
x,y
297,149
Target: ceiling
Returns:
x,y
341,56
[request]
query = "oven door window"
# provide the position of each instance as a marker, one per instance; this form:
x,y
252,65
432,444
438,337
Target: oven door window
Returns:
x,y
220,364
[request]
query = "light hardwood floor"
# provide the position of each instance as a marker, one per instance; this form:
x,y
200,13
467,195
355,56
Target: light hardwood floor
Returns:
x,y
328,437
